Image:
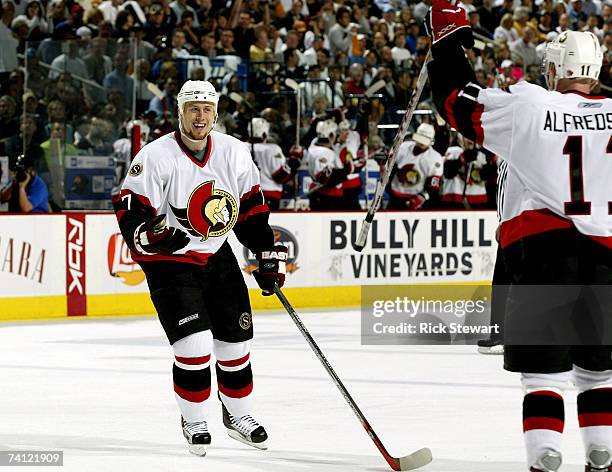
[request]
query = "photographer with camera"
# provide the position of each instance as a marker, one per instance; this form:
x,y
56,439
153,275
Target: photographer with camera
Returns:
x,y
26,192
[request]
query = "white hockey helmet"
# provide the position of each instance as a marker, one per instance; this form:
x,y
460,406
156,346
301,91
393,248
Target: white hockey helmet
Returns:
x,y
260,128
575,55
197,91
344,125
424,134
326,128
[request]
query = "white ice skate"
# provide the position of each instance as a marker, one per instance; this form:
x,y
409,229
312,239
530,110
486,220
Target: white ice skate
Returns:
x,y
245,430
548,462
197,436
599,459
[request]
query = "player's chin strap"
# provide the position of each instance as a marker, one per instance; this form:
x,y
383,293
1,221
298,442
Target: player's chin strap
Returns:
x,y
195,145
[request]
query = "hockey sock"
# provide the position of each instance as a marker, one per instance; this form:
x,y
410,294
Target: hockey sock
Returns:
x,y
543,422
234,376
595,418
191,375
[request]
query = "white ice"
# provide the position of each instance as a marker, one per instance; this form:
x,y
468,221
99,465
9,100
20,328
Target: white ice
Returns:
x,y
101,391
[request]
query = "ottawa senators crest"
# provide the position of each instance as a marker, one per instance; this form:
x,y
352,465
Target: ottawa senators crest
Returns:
x,y
409,175
210,213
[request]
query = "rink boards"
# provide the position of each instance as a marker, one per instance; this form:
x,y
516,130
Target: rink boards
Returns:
x,y
77,264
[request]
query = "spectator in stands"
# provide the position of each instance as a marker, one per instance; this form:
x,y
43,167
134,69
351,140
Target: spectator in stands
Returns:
x,y
577,16
118,79
260,51
193,35
399,52
8,51
156,24
98,64
177,8
164,106
292,68
293,15
523,51
137,10
109,9
477,28
244,35
9,124
56,113
123,24
39,27
207,47
340,35
355,84
178,44
225,46
489,16
26,192
67,28
69,62
505,31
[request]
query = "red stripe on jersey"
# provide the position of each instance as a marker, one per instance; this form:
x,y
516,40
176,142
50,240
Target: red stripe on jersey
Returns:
x,y
586,95
548,393
605,240
190,257
195,397
330,192
594,419
449,106
193,360
253,211
542,422
190,154
529,223
236,393
352,182
397,194
272,194
477,123
250,193
234,362
141,198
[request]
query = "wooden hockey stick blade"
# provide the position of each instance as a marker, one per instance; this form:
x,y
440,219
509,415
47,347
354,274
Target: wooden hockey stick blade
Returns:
x,y
154,89
372,89
236,97
415,460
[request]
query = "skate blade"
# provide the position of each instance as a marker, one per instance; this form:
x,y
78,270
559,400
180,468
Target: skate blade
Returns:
x,y
197,449
240,438
494,350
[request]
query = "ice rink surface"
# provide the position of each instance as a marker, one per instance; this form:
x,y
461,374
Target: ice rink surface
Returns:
x,y
101,391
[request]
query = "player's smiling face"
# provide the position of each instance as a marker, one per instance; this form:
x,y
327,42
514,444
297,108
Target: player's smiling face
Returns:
x,y
198,119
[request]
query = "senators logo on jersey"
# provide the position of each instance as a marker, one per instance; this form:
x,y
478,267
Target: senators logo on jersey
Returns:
x,y
210,212
409,175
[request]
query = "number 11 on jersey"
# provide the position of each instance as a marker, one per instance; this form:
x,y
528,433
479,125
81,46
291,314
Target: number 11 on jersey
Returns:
x,y
578,205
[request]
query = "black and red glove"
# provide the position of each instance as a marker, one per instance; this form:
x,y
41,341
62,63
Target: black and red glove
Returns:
x,y
446,19
157,238
416,202
296,153
272,267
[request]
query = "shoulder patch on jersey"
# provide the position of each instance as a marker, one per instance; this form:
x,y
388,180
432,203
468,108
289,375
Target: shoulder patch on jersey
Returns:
x,y
135,169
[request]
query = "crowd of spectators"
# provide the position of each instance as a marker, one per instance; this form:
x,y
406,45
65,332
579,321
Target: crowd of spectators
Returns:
x,y
75,74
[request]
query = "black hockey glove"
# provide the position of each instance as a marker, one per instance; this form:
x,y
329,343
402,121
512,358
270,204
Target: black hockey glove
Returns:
x,y
272,265
157,238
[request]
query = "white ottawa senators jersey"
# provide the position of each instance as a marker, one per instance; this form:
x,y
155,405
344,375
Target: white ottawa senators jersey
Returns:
x,y
321,162
347,151
413,171
559,150
271,162
203,198
471,186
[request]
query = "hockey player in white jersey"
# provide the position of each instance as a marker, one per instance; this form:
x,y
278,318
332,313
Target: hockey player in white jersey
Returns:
x,y
416,177
274,168
556,230
327,170
347,147
464,184
183,194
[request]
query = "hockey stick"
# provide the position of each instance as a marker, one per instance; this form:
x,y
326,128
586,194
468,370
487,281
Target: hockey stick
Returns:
x,y
411,461
464,199
293,85
359,244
